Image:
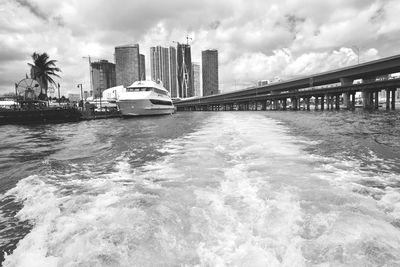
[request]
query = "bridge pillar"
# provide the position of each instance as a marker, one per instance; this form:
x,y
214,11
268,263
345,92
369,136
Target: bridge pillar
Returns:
x,y
393,99
322,102
284,104
308,103
367,99
353,100
346,100
328,101
337,102
264,105
376,100
315,102
387,99
293,100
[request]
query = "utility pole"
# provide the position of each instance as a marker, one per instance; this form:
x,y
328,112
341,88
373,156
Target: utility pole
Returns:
x,y
80,85
358,53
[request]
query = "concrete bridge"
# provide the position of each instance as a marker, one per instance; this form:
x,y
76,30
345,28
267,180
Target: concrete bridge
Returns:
x,y
327,90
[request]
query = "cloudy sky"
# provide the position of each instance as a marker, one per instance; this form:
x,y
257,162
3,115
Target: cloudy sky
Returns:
x,y
256,39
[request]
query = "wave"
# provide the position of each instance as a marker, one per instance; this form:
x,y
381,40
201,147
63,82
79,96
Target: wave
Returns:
x,y
240,191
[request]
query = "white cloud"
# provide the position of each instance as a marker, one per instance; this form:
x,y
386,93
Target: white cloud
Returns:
x,y
256,39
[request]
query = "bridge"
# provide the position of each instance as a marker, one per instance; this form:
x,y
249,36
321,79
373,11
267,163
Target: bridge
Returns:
x,y
329,90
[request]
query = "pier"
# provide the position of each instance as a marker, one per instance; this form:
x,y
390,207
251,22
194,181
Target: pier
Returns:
x,y
324,91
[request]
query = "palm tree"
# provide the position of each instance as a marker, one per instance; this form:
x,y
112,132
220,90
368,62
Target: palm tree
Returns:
x,y
43,69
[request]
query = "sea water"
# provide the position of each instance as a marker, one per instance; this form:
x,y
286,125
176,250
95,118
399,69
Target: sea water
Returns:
x,y
203,189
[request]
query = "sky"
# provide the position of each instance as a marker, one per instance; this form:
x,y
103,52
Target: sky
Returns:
x,y
255,39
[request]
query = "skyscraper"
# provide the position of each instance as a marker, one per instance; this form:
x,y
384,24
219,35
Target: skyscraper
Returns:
x,y
196,78
127,64
173,72
184,60
103,76
210,71
142,69
163,67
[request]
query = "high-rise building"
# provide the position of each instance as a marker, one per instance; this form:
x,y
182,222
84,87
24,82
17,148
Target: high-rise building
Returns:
x,y
103,76
142,69
127,64
196,78
210,72
184,61
159,59
163,67
173,72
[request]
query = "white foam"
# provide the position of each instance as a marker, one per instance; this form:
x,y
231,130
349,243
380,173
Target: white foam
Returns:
x,y
238,192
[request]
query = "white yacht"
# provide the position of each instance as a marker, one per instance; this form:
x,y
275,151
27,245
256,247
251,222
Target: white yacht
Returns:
x,y
145,98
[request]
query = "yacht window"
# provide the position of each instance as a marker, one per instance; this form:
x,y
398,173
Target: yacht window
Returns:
x,y
158,91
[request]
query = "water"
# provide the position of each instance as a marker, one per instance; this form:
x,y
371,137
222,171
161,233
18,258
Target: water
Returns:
x,y
203,189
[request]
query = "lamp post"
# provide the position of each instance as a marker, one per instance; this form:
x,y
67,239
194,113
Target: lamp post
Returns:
x,y
80,85
358,53
99,90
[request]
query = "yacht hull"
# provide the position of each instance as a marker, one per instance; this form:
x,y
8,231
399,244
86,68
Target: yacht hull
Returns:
x,y
143,107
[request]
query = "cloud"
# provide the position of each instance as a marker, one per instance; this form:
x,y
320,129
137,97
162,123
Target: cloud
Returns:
x,y
256,39
32,8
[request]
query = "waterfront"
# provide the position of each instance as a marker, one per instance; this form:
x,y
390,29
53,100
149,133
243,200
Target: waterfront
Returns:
x,y
204,188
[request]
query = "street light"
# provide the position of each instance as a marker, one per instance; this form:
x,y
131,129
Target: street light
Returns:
x,y
80,85
358,53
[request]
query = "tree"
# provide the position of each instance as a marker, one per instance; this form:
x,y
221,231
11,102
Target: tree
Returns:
x,y
43,70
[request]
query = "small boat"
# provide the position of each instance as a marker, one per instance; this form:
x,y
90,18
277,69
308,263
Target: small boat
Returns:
x,y
145,98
